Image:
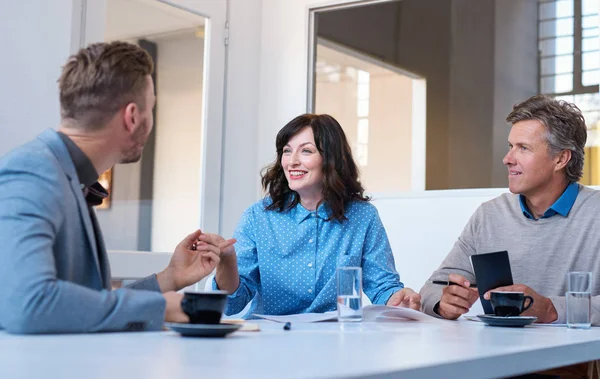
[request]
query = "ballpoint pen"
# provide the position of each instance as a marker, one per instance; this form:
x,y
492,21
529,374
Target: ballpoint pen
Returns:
x,y
448,283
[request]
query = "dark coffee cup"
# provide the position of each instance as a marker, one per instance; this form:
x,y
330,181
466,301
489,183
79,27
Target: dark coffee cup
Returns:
x,y
204,307
509,303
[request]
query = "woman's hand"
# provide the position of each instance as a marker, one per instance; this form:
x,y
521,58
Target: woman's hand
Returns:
x,y
406,298
191,262
225,246
227,276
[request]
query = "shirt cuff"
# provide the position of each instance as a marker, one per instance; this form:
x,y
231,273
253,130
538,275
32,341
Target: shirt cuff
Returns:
x,y
384,296
235,301
436,309
149,283
560,306
430,299
236,294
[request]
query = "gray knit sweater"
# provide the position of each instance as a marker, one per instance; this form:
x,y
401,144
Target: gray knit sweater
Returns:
x,y
541,251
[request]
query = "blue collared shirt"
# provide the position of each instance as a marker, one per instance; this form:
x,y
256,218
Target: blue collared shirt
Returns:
x,y
287,260
562,206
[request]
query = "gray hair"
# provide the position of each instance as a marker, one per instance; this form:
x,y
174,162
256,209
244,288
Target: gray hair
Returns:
x,y
565,128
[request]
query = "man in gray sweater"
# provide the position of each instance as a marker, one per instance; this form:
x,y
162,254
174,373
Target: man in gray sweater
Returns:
x,y
548,224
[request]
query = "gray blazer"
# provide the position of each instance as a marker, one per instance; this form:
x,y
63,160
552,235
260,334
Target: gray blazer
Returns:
x,y
53,279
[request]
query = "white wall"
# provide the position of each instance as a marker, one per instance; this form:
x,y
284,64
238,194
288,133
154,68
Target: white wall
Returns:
x,y
177,155
411,219
242,135
283,69
35,42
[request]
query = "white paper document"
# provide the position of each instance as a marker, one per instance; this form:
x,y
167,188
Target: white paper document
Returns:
x,y
370,313
387,313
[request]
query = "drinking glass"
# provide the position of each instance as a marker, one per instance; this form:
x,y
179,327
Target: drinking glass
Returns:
x,y
349,294
579,299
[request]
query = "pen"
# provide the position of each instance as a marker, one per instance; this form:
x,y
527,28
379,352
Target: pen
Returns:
x,y
447,283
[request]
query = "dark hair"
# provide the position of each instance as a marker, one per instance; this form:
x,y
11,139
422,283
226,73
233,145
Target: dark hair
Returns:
x,y
340,182
100,79
565,128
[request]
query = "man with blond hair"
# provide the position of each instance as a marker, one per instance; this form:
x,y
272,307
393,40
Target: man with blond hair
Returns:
x,y
53,263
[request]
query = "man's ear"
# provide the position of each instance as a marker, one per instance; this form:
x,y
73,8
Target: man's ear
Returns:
x,y
562,159
131,117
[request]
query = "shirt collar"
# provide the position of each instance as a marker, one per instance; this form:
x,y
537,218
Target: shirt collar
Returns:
x,y
83,166
302,213
562,206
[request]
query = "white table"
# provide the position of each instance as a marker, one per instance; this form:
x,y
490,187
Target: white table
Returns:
x,y
462,349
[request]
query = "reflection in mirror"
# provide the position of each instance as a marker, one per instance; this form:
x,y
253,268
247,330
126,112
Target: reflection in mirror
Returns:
x,y
156,201
476,60
360,92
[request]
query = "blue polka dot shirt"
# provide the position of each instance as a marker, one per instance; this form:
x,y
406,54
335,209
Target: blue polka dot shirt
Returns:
x,y
287,260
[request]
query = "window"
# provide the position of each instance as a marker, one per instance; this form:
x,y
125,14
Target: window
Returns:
x,y
362,112
569,44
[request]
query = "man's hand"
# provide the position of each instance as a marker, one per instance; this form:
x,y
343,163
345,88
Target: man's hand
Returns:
x,y
173,311
190,263
542,307
405,298
457,298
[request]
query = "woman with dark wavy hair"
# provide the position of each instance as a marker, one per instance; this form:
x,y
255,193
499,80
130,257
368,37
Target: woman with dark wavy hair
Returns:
x,y
315,219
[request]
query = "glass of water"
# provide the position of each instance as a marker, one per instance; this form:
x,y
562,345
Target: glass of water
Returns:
x,y
579,299
349,294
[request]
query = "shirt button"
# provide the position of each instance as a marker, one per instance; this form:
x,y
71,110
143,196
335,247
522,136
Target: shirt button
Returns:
x,y
309,290
310,265
310,240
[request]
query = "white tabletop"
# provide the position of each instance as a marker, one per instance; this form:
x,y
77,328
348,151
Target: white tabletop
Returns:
x,y
463,349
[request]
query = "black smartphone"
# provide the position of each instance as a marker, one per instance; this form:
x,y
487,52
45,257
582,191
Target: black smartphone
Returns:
x,y
492,270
